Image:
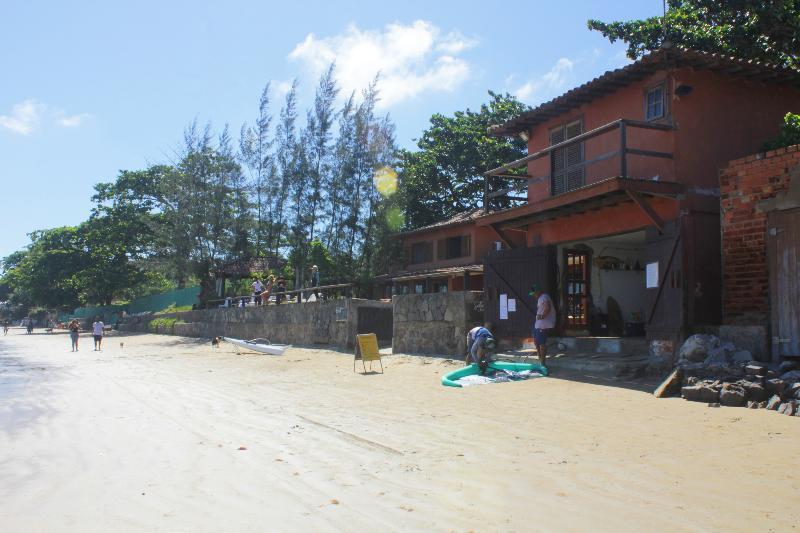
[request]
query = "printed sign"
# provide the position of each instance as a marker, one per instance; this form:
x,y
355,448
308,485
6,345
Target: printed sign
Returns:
x,y
504,307
652,275
512,305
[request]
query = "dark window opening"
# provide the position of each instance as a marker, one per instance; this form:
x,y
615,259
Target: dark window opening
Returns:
x,y
421,252
453,247
566,164
654,103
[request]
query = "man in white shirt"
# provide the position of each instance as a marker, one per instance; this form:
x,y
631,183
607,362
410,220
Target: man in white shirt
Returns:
x,y
258,288
97,333
545,320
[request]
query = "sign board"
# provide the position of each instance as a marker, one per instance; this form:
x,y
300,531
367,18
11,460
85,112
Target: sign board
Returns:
x,y
504,307
512,305
652,275
367,350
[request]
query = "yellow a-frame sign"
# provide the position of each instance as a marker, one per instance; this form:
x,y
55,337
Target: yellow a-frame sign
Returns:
x,y
367,350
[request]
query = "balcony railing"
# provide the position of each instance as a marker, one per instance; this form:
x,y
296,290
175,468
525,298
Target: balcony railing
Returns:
x,y
500,183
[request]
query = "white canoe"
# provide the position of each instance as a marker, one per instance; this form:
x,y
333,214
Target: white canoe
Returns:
x,y
255,345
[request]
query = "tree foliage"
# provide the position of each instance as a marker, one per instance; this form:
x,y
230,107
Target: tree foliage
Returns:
x,y
445,175
766,30
790,133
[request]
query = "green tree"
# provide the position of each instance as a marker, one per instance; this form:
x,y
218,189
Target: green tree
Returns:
x,y
790,133
445,175
766,30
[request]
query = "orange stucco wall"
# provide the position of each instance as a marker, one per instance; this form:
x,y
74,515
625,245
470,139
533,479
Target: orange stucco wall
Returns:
x,y
723,118
481,241
613,220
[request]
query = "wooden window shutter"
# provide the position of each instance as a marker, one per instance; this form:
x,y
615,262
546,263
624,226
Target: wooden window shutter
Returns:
x,y
407,254
557,162
441,249
574,156
465,245
429,251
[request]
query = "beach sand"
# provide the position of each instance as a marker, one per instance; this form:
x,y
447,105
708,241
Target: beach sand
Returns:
x,y
170,435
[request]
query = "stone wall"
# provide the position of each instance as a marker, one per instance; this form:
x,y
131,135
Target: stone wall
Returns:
x,y
330,322
435,323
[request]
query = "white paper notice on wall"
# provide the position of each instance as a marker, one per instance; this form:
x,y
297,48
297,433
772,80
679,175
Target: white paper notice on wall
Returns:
x,y
504,307
652,275
512,305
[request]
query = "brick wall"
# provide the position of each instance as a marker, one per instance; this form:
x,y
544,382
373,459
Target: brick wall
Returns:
x,y
744,183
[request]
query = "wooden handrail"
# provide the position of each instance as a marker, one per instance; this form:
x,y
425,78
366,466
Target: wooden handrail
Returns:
x,y
286,293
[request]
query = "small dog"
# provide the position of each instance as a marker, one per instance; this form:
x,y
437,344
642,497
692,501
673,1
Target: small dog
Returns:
x,y
215,342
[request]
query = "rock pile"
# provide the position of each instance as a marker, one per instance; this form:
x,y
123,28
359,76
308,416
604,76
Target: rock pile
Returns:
x,y
720,375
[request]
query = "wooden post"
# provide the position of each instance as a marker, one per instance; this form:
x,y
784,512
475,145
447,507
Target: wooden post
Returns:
x,y
486,206
623,150
466,280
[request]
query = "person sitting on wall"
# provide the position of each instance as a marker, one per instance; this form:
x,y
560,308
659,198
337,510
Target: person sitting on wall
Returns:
x,y
480,342
280,288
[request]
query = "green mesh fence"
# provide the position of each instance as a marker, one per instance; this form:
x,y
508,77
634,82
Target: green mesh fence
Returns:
x,y
153,303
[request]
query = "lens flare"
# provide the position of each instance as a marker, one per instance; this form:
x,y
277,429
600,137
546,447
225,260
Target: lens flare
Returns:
x,y
385,180
395,218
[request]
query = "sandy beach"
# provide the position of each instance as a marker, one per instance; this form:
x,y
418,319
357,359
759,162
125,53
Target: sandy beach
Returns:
x,y
167,434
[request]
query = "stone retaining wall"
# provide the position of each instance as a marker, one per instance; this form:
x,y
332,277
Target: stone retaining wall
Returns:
x,y
435,323
331,322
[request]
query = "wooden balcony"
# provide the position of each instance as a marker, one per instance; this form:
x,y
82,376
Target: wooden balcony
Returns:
x,y
587,158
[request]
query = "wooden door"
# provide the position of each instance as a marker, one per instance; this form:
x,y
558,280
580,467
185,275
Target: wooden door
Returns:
x,y
509,274
783,250
664,284
576,288
566,164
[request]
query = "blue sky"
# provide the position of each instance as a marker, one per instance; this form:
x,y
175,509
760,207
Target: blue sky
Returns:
x,y
89,88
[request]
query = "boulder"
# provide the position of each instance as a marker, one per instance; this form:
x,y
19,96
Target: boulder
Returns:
x,y
671,385
773,403
740,357
716,357
754,368
700,393
732,396
792,376
787,366
691,380
696,348
754,391
788,408
752,405
775,386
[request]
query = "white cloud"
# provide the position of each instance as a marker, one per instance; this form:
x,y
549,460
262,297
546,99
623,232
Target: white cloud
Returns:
x,y
411,59
72,121
553,81
280,88
26,116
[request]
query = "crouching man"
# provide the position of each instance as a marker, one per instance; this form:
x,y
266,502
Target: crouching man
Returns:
x,y
480,342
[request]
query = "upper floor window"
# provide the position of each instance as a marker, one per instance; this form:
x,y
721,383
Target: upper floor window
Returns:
x,y
453,247
421,252
567,168
654,106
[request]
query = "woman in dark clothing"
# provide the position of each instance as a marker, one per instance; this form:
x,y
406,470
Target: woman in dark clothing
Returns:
x,y
74,333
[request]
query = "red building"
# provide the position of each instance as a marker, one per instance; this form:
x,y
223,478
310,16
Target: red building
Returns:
x,y
622,223
442,257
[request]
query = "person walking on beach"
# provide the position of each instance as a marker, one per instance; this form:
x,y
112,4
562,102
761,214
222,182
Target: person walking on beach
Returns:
x,y
97,333
545,320
74,333
5,327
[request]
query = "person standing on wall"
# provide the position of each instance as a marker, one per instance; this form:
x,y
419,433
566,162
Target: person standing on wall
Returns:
x,y
74,333
97,333
258,288
545,320
315,281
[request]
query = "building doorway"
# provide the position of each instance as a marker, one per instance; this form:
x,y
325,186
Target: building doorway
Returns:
x,y
783,245
576,288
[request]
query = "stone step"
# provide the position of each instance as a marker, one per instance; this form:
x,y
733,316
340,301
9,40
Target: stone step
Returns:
x,y
608,345
607,365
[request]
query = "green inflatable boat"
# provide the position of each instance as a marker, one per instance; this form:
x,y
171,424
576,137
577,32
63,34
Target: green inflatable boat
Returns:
x,y
451,379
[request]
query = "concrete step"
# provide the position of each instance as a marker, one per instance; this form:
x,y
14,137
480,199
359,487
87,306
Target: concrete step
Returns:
x,y
607,345
607,365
